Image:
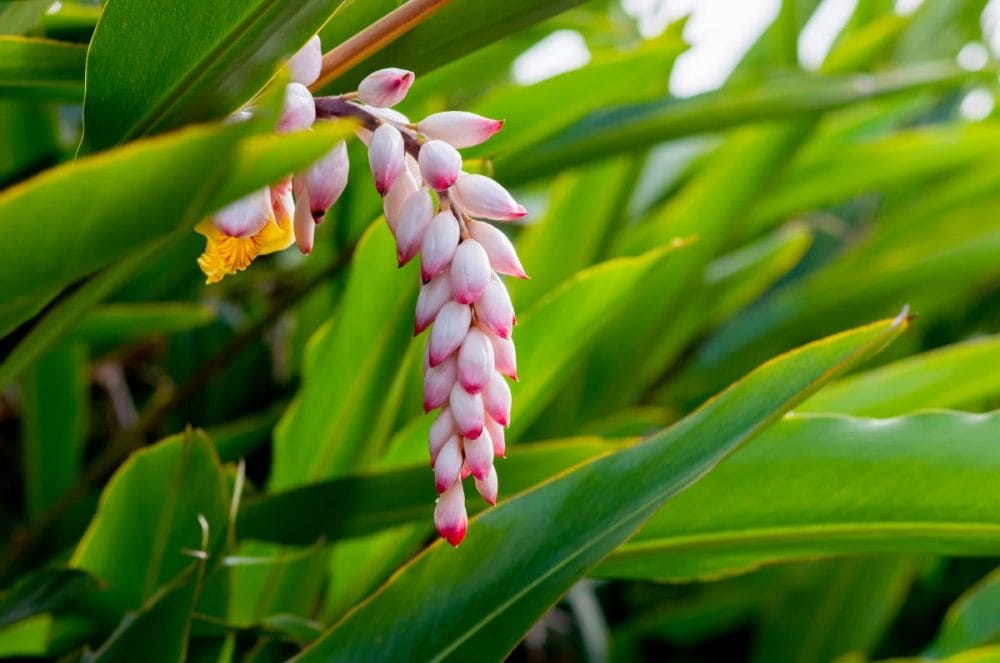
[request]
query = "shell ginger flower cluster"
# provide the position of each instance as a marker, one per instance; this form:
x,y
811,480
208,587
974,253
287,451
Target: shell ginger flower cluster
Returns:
x,y
435,211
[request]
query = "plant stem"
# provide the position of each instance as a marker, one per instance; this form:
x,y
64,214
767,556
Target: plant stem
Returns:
x,y
375,37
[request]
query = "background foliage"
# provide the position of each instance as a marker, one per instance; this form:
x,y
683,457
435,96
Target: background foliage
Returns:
x,y
232,473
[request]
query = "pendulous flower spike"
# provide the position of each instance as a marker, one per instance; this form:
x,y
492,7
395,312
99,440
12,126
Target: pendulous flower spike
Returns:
x,y
467,410
449,330
432,297
479,454
416,215
488,487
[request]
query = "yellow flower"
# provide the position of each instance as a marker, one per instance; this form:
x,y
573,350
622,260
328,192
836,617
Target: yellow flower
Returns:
x,y
225,254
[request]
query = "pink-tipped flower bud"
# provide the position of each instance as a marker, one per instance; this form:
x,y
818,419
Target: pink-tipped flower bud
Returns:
x,y
495,310
304,225
298,111
450,517
486,199
432,297
489,487
416,215
498,436
496,399
440,164
439,244
448,464
475,361
385,156
459,128
504,356
438,382
246,216
470,272
307,63
385,87
503,257
392,205
326,180
449,330
479,455
467,410
442,429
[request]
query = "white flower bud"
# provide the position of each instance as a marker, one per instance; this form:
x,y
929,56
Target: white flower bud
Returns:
x,y
416,215
438,382
503,257
246,216
442,429
449,330
475,361
326,180
298,111
385,156
498,436
459,128
489,487
467,410
432,297
496,399
440,164
486,199
495,310
504,356
439,244
304,225
470,271
385,87
479,454
307,63
448,465
450,517
392,205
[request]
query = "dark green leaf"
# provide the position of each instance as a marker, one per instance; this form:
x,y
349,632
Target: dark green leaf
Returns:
x,y
41,69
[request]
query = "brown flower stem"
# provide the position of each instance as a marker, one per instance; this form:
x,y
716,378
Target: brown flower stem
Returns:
x,y
340,107
375,37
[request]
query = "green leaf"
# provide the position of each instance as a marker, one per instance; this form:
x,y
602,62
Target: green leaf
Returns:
x,y
540,543
148,516
99,209
158,630
358,505
112,206
344,408
28,134
842,606
53,445
43,591
139,81
455,30
41,69
973,620
20,16
822,485
618,130
124,322
948,377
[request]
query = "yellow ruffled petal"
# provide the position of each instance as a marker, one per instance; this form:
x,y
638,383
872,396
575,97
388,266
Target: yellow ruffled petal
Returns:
x,y
226,255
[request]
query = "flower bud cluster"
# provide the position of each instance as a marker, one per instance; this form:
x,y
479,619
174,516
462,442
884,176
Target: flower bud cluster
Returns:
x,y
435,211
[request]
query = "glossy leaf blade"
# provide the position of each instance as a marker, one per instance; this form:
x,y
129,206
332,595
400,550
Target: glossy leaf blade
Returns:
x,y
140,82
41,69
487,609
821,485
